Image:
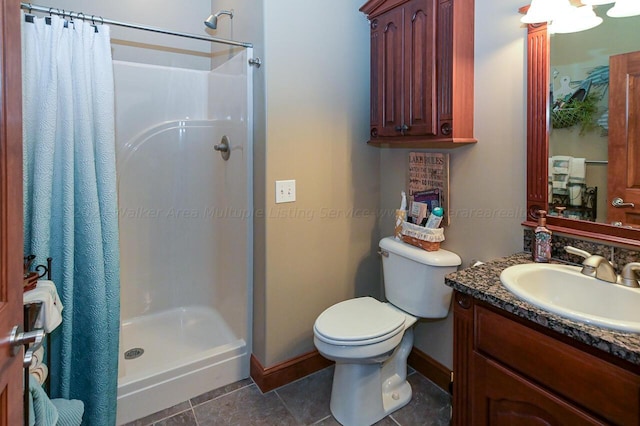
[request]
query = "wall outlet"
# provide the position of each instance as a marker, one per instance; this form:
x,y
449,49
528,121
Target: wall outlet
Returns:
x,y
285,191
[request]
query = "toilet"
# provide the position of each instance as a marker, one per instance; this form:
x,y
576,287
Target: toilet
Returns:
x,y
370,340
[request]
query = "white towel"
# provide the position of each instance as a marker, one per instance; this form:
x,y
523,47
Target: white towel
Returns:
x,y
575,195
40,373
51,314
37,358
561,164
578,170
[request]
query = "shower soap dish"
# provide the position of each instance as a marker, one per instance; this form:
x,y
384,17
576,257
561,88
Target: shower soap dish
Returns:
x,y
426,238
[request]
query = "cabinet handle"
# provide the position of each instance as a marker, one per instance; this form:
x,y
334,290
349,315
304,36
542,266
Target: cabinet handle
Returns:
x,y
402,128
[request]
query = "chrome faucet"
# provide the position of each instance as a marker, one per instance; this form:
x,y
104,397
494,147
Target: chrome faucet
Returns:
x,y
595,265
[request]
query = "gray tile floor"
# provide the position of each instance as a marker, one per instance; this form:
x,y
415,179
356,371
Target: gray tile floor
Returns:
x,y
303,402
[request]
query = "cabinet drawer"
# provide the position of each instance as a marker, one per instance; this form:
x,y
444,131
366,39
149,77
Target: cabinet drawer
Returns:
x,y
596,385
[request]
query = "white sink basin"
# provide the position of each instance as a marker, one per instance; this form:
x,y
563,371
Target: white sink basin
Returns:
x,y
563,290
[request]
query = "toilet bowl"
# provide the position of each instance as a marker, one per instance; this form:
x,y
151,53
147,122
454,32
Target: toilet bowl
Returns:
x,y
370,340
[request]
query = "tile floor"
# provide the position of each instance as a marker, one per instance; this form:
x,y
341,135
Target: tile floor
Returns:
x,y
303,402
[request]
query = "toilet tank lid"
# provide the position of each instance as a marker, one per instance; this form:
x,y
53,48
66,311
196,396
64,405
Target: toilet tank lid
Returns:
x,y
432,258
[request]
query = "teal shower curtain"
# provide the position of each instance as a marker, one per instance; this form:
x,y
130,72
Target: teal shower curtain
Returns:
x,y
70,198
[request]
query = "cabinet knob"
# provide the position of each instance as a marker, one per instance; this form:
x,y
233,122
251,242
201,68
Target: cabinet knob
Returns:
x,y
374,24
374,132
446,129
463,300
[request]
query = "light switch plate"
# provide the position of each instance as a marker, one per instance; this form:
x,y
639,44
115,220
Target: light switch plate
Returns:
x,y
285,191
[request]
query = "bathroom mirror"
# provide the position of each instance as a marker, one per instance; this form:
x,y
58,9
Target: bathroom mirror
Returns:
x,y
544,141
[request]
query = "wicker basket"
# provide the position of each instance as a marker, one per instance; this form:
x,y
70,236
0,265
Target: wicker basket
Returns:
x,y
424,245
565,117
426,238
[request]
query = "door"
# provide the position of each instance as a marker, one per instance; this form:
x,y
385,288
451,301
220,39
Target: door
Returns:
x,y
11,389
624,139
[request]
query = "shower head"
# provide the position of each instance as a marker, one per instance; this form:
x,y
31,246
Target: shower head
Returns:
x,y
212,20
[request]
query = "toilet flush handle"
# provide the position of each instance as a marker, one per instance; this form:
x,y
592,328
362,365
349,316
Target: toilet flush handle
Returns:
x,y
383,253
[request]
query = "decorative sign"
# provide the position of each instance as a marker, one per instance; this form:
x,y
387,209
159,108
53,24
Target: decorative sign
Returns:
x,y
429,180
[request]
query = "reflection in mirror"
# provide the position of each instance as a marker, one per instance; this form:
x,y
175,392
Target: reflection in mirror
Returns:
x,y
539,106
579,96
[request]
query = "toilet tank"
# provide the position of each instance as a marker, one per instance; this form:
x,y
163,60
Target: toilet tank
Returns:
x,y
414,278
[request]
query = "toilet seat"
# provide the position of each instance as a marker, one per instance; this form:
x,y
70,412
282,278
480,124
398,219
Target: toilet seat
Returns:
x,y
360,321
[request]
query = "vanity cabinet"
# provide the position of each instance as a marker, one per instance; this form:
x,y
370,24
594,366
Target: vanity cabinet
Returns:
x,y
421,72
508,370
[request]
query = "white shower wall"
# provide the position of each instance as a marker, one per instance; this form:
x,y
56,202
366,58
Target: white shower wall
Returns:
x,y
157,273
185,231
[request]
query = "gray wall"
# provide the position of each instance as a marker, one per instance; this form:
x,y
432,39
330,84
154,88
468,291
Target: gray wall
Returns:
x,y
311,123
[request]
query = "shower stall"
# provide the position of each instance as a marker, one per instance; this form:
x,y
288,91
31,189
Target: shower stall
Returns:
x,y
185,231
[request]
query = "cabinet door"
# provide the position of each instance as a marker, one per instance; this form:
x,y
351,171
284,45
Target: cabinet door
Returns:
x,y
501,397
420,68
387,93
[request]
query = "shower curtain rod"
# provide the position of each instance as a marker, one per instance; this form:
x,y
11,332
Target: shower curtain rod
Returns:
x,y
79,15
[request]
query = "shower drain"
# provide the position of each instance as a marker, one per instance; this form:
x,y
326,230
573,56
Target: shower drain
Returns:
x,y
133,353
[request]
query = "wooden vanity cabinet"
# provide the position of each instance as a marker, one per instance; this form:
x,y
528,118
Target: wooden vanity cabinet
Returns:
x,y
421,72
511,371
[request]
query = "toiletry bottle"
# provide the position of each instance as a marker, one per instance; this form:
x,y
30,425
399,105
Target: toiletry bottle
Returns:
x,y
435,218
542,239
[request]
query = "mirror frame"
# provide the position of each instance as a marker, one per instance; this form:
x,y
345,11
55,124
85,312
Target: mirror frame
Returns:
x,y
538,118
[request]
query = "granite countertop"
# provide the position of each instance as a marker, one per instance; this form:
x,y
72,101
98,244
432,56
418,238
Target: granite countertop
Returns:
x,y
483,283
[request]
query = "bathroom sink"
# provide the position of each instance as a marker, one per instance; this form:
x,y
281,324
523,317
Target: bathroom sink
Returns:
x,y
563,290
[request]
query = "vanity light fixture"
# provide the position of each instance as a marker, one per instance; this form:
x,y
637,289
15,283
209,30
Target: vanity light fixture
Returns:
x,y
624,8
563,16
540,11
597,2
575,19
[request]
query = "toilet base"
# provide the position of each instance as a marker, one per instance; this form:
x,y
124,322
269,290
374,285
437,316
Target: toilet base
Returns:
x,y
363,394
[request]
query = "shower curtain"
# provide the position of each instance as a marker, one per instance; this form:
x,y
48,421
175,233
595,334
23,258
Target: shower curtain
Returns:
x,y
70,201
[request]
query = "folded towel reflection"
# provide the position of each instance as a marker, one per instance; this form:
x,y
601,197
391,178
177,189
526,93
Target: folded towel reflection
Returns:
x,y
51,314
567,177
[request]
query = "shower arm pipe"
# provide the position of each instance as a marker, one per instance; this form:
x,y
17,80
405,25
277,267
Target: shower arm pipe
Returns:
x,y
83,16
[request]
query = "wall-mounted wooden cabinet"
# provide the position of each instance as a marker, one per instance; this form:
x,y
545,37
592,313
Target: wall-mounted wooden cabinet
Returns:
x,y
421,72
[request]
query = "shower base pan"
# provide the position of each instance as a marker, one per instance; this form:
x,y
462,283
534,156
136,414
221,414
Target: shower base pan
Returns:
x,y
173,356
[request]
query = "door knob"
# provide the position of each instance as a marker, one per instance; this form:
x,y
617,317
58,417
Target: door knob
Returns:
x,y
619,202
18,338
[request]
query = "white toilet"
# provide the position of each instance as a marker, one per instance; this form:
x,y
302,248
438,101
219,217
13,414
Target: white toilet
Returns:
x,y
371,340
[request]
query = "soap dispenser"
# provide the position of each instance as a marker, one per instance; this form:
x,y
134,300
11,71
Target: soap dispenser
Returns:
x,y
542,239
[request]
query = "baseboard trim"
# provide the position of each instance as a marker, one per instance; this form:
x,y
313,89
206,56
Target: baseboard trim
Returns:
x,y
430,368
296,368
280,374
